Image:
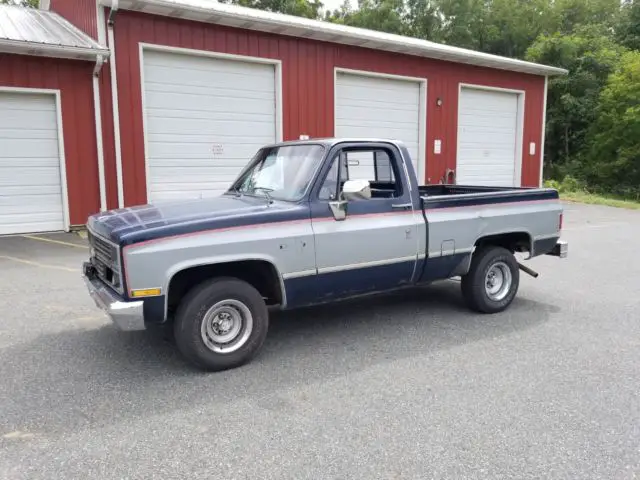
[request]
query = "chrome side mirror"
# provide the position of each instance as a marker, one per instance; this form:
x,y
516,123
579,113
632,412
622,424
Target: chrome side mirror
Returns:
x,y
356,190
339,209
352,190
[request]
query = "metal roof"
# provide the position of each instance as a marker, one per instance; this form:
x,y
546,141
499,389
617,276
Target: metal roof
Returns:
x,y
38,32
211,11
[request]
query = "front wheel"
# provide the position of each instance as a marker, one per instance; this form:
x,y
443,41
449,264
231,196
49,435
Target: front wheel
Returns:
x,y
221,324
492,281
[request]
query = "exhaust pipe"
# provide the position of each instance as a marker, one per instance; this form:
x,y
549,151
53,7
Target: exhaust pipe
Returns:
x,y
526,269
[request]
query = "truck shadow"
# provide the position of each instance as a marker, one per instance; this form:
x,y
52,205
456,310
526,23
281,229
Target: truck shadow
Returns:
x,y
87,375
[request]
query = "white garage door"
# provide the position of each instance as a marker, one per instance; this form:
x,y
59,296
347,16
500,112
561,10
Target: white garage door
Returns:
x,y
487,138
379,107
30,177
204,120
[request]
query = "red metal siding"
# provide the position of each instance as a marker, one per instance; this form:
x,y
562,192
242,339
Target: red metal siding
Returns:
x,y
82,13
73,79
308,87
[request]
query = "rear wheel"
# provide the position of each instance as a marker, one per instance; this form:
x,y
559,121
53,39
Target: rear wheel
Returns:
x,y
492,281
221,324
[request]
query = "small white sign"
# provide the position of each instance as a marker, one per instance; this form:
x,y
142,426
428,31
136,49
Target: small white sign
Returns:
x,y
437,146
217,149
532,148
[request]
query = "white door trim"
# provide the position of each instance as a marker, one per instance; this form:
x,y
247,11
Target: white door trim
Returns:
x,y
422,111
544,132
205,53
61,154
519,125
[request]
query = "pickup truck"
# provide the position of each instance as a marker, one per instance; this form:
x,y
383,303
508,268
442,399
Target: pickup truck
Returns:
x,y
309,222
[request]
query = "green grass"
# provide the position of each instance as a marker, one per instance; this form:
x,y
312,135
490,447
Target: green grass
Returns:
x,y
581,197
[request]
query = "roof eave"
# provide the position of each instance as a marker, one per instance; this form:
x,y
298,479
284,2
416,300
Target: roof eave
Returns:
x,y
240,17
53,51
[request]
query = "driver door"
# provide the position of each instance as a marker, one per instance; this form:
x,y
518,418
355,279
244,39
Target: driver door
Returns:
x,y
375,247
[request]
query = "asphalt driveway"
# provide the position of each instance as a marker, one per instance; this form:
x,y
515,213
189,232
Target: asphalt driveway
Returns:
x,y
408,385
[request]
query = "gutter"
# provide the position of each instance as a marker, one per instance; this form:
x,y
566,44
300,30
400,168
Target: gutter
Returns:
x,y
114,102
55,51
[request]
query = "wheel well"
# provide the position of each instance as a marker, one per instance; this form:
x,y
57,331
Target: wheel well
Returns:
x,y
513,241
259,273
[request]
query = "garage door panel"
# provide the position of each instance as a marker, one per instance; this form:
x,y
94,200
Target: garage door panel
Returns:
x,y
370,89
30,134
17,223
201,150
182,102
202,79
355,115
487,138
203,114
489,122
28,148
377,98
174,97
35,176
201,63
13,119
195,103
216,129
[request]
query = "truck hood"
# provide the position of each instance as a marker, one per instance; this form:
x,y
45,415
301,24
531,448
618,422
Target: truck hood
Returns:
x,y
142,223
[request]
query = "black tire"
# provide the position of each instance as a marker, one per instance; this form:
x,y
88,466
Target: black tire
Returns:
x,y
190,317
474,283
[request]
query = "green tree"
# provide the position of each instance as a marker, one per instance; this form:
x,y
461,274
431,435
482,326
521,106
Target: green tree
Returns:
x,y
628,29
613,159
22,3
381,15
590,56
571,15
299,8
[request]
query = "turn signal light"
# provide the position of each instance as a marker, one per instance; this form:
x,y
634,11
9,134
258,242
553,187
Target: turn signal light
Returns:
x,y
146,292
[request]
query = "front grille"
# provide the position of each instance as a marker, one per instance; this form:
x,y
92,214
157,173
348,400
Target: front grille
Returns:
x,y
103,251
106,260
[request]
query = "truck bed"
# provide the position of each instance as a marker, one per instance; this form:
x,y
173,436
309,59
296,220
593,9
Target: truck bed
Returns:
x,y
446,196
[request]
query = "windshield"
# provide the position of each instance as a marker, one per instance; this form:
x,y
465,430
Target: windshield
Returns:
x,y
282,173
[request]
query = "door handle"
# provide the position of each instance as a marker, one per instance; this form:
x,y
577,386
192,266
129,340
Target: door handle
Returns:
x,y
403,206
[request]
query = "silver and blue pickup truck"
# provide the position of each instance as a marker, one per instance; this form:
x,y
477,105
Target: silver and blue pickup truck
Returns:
x,y
304,223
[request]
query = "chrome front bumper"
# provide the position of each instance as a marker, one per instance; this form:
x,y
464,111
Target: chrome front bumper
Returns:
x,y
127,316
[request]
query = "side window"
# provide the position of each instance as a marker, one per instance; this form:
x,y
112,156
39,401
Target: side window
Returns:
x,y
329,189
374,165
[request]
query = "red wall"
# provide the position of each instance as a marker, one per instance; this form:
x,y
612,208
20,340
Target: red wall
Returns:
x,y
308,78
73,79
82,13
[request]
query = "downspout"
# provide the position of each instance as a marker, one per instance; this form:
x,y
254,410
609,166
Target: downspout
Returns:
x,y
98,125
114,100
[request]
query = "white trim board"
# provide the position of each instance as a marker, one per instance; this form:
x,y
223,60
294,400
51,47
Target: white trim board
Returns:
x,y
422,110
61,152
519,126
142,46
544,130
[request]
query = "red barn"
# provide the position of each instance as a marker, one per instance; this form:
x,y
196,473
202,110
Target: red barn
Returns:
x,y
107,103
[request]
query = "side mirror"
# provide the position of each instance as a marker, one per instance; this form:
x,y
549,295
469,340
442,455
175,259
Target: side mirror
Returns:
x,y
356,190
352,190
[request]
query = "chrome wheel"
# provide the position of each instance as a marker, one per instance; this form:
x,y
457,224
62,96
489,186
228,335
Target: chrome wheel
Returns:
x,y
498,281
226,326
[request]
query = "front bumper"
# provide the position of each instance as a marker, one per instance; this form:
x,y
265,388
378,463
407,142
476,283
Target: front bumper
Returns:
x,y
560,249
127,316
